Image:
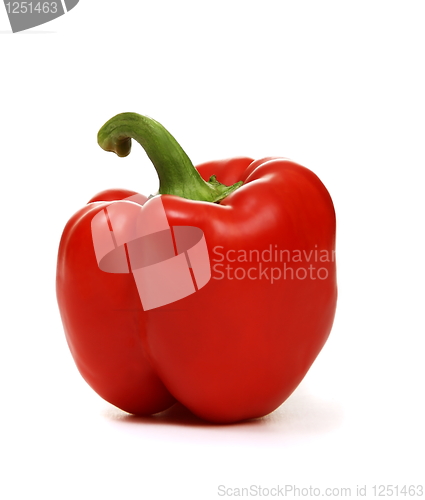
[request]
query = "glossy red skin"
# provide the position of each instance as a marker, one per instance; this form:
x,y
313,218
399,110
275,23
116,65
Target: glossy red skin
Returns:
x,y
103,320
235,349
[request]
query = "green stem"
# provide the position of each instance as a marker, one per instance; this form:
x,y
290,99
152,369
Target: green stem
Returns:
x,y
176,173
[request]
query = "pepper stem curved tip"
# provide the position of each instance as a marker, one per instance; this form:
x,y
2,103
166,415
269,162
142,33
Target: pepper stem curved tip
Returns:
x,y
177,175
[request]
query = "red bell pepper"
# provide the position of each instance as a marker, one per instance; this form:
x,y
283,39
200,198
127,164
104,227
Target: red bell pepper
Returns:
x,y
218,292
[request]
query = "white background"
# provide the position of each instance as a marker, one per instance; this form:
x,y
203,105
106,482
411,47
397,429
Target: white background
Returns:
x,y
337,86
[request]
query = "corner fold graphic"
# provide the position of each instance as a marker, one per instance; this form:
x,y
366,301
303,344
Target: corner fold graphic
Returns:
x,y
26,15
70,4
